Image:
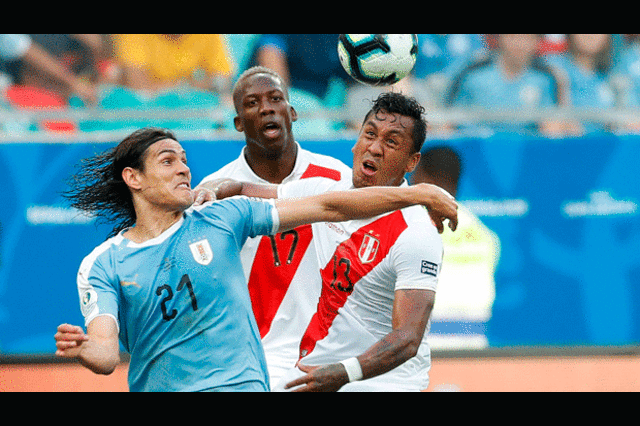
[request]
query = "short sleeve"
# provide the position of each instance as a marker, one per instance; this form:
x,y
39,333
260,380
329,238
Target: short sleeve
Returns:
x,y
98,295
417,256
243,216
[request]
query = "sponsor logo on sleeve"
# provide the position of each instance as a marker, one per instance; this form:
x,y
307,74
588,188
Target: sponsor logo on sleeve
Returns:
x,y
429,268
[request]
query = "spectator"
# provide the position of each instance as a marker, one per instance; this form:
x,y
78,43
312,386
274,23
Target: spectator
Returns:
x,y
586,68
626,76
440,57
20,47
78,53
512,77
306,62
552,43
152,63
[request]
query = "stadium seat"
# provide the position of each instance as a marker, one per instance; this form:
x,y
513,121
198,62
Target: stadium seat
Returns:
x,y
118,97
305,102
185,98
35,98
112,98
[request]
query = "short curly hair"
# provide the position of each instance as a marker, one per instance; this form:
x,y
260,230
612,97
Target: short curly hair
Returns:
x,y
397,103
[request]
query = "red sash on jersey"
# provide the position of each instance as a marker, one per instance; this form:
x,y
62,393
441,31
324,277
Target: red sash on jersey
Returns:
x,y
277,260
352,260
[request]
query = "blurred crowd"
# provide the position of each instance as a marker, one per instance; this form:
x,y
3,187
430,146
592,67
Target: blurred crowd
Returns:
x,y
477,73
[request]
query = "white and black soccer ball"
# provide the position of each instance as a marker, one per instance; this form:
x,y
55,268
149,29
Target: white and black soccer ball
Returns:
x,y
378,59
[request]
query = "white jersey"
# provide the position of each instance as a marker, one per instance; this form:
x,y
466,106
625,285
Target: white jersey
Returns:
x,y
363,263
282,270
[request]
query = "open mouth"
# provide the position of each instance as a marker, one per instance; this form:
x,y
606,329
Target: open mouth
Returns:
x,y
369,167
184,185
271,129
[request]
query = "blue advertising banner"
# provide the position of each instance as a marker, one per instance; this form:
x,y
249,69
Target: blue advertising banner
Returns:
x,y
565,212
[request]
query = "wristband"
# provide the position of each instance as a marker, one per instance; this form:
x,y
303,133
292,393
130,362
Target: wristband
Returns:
x,y
354,371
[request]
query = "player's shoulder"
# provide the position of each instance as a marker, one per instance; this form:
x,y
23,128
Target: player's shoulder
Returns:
x,y
105,249
321,165
417,218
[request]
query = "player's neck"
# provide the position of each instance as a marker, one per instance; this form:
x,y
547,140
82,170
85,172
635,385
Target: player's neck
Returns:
x,y
272,166
152,225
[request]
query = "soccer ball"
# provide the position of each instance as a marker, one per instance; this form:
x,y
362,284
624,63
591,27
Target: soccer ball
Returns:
x,y
378,59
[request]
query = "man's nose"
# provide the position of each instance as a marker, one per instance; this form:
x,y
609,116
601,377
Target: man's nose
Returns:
x,y
266,107
375,147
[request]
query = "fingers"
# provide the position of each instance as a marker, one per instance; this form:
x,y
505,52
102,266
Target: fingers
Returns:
x,y
62,348
299,381
305,368
304,380
70,329
202,195
69,337
453,224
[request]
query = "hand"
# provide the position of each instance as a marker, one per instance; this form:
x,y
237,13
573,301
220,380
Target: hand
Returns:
x,y
441,206
203,194
69,339
327,378
216,189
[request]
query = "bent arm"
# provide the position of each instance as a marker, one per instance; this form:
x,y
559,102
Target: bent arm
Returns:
x,y
411,311
339,206
98,350
102,351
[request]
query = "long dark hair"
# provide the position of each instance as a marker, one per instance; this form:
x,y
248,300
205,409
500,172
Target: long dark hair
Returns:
x,y
97,188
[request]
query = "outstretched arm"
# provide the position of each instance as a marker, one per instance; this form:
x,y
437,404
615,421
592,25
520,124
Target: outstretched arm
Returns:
x,y
339,206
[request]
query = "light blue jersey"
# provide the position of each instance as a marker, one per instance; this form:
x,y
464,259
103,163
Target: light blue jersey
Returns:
x,y
587,89
181,300
484,84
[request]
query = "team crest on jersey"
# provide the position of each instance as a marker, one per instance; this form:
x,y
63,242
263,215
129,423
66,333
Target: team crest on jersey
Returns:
x,y
368,248
201,251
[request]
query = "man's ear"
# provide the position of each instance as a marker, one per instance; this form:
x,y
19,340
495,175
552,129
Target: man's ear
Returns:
x,y
237,122
294,114
413,162
131,177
